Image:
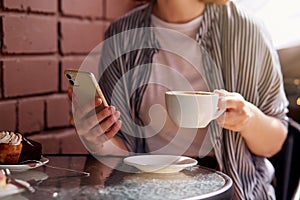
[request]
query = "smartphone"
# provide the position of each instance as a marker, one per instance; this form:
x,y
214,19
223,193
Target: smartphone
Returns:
x,y
85,87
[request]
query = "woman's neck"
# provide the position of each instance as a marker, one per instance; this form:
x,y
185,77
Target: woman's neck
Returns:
x,y
178,11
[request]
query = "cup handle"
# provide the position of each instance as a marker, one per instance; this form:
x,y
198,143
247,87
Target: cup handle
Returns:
x,y
219,112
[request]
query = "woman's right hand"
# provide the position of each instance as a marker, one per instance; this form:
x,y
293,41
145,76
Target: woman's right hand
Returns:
x,y
95,127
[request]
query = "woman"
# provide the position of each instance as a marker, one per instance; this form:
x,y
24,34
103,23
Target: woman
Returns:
x,y
237,57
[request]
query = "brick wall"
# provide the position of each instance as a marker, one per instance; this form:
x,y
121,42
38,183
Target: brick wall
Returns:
x,y
39,39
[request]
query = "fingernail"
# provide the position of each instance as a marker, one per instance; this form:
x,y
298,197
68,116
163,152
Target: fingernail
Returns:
x,y
98,101
117,115
112,108
119,122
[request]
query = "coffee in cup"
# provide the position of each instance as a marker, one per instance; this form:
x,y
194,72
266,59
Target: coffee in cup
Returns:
x,y
192,109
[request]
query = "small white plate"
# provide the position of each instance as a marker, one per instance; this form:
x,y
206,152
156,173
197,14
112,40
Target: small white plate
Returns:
x,y
160,163
35,175
11,189
27,166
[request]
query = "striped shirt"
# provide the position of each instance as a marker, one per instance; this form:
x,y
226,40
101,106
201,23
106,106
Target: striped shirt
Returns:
x,y
237,56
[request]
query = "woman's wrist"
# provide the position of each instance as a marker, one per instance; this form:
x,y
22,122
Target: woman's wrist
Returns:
x,y
253,118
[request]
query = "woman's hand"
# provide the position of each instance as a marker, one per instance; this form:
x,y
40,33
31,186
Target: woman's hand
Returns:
x,y
263,134
238,111
93,126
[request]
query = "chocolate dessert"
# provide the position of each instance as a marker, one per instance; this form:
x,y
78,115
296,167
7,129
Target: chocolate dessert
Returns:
x,y
31,150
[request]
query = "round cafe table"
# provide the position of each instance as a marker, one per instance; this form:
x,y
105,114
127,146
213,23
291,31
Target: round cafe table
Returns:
x,y
111,179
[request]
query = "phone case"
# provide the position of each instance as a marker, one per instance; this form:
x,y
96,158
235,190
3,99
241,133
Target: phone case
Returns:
x,y
85,86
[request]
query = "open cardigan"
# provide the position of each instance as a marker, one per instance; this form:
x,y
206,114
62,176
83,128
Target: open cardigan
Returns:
x,y
238,57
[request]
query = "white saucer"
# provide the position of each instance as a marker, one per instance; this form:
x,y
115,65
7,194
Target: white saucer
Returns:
x,y
160,163
11,189
27,166
35,175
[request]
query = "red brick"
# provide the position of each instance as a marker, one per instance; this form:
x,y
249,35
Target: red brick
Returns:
x,y
86,8
45,6
106,24
71,144
31,115
1,80
58,110
117,8
26,76
29,34
50,144
80,36
63,141
8,117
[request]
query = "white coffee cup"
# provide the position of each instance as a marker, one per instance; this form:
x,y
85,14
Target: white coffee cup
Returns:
x,y
192,109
